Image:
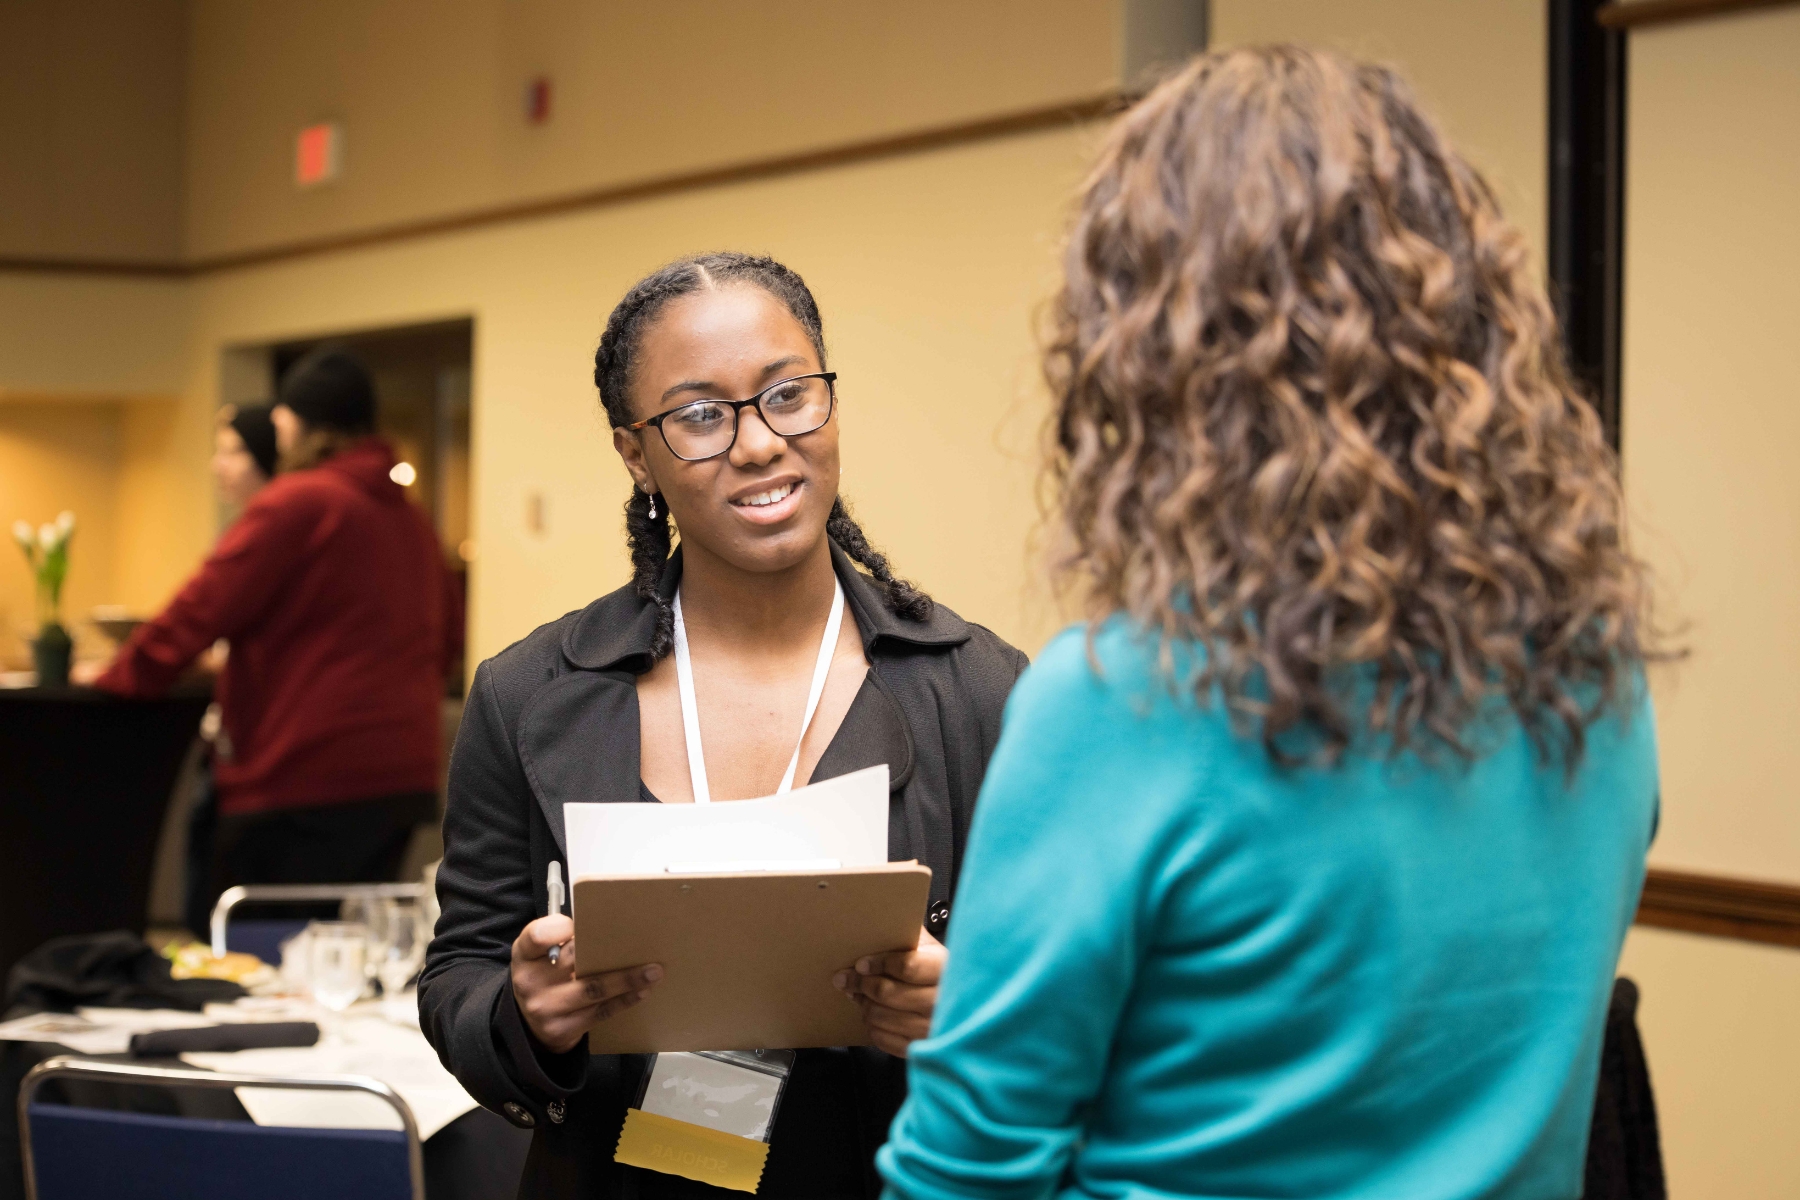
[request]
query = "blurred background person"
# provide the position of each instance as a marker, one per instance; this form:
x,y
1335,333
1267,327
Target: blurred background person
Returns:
x,y
331,593
243,462
244,453
1360,708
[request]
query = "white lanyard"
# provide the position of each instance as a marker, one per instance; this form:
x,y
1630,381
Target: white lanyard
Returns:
x,y
690,710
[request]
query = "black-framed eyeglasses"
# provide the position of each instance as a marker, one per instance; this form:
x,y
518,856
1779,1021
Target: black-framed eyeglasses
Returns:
x,y
706,429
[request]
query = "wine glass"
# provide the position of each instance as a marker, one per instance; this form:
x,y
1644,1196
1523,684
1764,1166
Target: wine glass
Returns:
x,y
371,912
404,947
339,953
404,952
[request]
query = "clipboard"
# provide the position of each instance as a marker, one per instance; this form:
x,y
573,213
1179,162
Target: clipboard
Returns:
x,y
747,957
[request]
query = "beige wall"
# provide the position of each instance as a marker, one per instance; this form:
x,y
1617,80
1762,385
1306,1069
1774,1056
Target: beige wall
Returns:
x,y
107,461
1711,424
63,335
928,269
91,100
1480,66
1711,302
430,93
1717,1018
56,456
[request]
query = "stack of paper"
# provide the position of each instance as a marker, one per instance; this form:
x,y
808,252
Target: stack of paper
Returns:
x,y
841,822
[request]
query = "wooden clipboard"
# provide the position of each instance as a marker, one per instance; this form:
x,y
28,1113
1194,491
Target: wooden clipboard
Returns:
x,y
747,957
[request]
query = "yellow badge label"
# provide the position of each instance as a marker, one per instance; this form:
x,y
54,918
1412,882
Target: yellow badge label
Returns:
x,y
673,1147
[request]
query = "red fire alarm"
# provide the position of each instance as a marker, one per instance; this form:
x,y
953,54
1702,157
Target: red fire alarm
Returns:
x,y
537,100
318,154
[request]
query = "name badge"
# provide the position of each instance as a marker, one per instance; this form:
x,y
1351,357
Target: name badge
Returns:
x,y
707,1115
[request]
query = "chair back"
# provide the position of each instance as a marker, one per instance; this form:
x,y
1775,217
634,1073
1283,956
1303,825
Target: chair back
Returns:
x,y
98,1154
295,893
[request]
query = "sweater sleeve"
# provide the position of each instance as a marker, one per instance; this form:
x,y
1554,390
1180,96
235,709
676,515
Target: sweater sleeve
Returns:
x,y
1053,920
253,562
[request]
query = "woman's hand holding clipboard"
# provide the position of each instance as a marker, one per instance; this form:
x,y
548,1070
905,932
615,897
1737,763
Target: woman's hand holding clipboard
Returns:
x,y
557,1007
897,992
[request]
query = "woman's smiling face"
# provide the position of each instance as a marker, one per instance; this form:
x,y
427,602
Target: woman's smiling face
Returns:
x,y
762,505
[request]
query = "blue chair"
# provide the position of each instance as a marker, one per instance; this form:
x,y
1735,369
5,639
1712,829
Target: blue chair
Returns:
x,y
98,1154
263,938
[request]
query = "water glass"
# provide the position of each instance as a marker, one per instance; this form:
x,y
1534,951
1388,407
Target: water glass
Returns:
x,y
402,946
371,912
339,957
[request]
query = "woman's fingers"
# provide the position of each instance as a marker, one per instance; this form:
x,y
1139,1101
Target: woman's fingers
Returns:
x,y
922,966
879,1017
559,1012
897,992
610,984
556,1005
534,941
562,1031
891,992
889,1043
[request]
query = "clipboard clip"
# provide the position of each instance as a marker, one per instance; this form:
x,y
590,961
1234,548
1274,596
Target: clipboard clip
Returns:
x,y
791,866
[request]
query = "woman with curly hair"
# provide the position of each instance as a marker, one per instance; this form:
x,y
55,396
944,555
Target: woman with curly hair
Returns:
x,y
1304,868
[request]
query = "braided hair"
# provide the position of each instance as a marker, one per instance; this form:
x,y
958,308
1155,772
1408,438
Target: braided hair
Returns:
x,y
650,537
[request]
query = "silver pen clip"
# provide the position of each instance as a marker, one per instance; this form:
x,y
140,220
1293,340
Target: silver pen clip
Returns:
x,y
554,886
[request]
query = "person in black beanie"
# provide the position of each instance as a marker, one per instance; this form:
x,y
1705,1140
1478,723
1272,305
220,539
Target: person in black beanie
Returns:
x,y
331,590
244,453
326,402
243,462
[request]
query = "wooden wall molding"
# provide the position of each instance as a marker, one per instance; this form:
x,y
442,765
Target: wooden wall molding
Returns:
x,y
1721,906
99,266
940,137
1662,12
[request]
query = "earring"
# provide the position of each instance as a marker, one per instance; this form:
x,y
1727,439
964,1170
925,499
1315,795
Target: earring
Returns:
x,y
653,506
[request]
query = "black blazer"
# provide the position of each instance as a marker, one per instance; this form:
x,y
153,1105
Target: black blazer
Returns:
x,y
552,720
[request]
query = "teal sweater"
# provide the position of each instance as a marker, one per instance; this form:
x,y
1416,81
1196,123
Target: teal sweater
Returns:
x,y
1179,970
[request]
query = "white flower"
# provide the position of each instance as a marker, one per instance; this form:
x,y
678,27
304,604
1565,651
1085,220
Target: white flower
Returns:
x,y
65,522
22,533
47,538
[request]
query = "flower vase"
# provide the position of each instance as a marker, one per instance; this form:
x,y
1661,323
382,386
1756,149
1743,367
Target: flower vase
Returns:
x,y
51,651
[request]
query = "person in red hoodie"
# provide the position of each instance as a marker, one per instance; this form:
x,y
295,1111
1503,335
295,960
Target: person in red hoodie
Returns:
x,y
341,621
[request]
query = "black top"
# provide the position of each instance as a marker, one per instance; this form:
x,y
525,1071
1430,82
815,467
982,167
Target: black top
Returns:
x,y
553,720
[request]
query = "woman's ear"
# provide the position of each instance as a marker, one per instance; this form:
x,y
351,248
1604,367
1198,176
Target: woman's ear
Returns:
x,y
631,450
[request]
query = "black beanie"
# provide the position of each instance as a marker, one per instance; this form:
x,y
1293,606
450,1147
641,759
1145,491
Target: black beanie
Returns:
x,y
330,389
251,421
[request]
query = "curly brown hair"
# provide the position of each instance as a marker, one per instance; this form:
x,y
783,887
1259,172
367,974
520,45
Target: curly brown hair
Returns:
x,y
1312,416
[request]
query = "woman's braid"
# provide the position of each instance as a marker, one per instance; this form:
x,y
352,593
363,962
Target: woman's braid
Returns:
x,y
906,600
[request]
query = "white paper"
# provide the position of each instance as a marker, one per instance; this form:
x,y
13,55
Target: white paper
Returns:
x,y
843,819
357,1045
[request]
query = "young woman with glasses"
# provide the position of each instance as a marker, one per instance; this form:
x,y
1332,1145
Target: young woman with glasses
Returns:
x,y
712,374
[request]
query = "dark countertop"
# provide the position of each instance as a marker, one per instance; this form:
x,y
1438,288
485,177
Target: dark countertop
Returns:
x,y
85,786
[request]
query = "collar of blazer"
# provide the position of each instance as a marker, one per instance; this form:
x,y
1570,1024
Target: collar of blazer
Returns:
x,y
578,737
614,633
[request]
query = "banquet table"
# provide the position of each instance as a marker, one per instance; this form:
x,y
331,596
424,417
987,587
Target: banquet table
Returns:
x,y
469,1153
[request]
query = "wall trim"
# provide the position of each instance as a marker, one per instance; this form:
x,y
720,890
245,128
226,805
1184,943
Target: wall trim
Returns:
x,y
1032,120
1749,910
1630,15
95,266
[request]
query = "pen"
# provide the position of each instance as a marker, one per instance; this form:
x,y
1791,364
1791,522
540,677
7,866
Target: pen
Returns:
x,y
554,886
